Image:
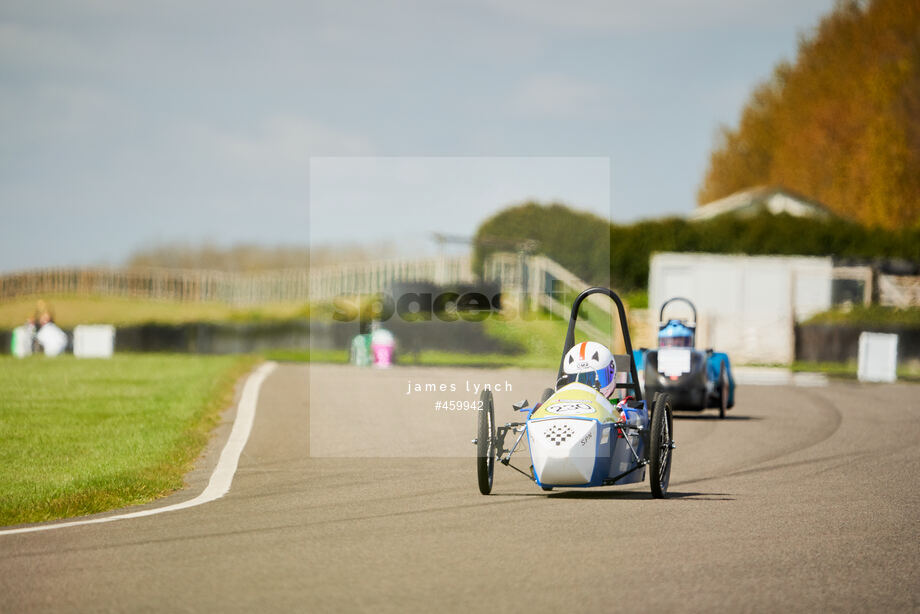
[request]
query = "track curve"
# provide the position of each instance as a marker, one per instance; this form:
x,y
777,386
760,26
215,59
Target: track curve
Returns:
x,y
800,499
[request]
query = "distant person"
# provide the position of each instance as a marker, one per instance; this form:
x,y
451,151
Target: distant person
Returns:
x,y
52,339
33,325
382,345
41,308
361,350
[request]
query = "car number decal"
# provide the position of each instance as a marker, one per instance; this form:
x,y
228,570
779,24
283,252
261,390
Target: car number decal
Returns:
x,y
674,362
570,407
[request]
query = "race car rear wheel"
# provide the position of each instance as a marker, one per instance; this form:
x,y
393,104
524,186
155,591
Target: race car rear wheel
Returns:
x,y
723,391
485,443
661,445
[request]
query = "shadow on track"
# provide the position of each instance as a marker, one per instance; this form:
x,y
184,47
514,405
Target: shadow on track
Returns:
x,y
715,417
634,495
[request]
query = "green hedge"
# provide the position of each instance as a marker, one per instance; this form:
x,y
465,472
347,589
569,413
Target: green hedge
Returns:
x,y
577,240
764,234
871,315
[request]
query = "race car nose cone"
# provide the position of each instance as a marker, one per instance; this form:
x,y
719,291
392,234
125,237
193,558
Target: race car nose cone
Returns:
x,y
563,450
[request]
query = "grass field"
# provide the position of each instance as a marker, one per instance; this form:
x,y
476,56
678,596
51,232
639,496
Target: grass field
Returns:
x,y
540,342
292,355
72,310
84,436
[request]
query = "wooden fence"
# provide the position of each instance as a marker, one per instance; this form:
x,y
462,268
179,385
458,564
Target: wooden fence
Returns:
x,y
190,286
522,278
380,275
293,285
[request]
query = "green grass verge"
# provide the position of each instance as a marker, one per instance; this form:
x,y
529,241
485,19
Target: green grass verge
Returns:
x,y
874,315
539,340
636,299
85,436
72,310
833,369
589,312
438,358
848,370
308,355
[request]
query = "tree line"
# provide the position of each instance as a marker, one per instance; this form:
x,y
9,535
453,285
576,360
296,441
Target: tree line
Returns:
x,y
840,124
596,250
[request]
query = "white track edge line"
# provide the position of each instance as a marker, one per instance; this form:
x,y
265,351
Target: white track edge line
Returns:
x,y
223,473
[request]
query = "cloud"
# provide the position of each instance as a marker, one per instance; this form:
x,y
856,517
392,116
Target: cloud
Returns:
x,y
625,16
198,117
401,198
556,96
282,143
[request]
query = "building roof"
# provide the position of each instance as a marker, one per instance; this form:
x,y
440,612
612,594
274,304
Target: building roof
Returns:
x,y
774,199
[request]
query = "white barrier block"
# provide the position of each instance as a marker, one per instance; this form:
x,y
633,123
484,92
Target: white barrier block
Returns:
x,y
878,357
21,343
52,339
94,341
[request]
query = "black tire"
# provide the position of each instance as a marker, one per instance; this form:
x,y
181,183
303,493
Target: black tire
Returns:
x,y
661,446
485,443
723,391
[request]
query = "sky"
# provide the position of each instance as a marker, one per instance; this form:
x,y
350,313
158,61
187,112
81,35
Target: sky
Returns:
x,y
127,124
401,201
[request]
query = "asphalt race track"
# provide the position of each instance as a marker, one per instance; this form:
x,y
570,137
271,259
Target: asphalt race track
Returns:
x,y
804,499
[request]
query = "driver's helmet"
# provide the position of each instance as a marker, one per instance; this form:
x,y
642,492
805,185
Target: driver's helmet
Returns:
x,y
592,363
675,334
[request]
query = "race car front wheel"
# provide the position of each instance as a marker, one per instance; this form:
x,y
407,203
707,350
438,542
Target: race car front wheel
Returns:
x,y
723,391
661,446
485,443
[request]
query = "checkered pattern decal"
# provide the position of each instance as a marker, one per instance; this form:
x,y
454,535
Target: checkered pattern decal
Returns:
x,y
558,433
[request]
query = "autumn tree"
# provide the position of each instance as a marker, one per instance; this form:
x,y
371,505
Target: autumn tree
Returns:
x,y
841,124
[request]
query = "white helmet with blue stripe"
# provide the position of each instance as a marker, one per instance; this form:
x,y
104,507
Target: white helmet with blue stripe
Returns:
x,y
592,363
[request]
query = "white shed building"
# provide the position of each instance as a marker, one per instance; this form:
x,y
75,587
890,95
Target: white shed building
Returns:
x,y
747,305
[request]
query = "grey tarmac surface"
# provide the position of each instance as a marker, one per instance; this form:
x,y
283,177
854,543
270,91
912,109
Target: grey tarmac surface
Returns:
x,y
804,499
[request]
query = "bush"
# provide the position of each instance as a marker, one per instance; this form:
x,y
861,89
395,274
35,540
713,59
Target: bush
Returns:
x,y
579,241
873,315
575,239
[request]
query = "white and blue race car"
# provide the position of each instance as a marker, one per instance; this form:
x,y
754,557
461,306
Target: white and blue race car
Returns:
x,y
586,431
693,379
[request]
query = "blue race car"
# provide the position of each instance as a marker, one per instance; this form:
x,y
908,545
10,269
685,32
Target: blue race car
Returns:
x,y
693,379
